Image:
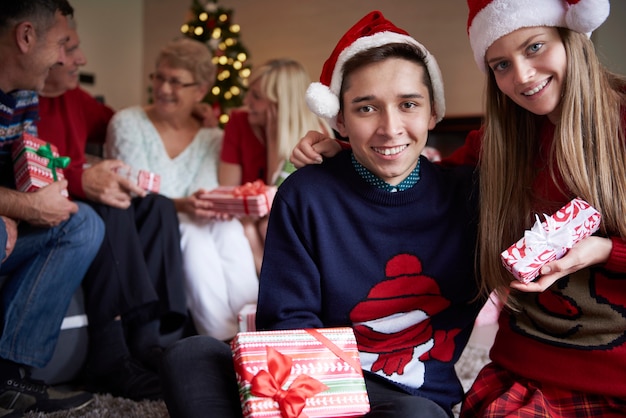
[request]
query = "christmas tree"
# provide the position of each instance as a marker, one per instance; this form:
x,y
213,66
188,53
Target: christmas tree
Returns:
x,y
211,24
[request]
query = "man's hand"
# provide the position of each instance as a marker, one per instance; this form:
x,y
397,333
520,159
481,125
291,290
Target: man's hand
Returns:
x,y
11,228
312,148
588,252
48,207
102,185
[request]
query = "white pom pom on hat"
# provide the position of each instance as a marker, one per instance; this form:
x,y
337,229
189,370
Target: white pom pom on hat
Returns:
x,y
371,31
489,20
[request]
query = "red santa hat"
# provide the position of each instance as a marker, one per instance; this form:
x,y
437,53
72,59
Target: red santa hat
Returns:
x,y
489,20
371,31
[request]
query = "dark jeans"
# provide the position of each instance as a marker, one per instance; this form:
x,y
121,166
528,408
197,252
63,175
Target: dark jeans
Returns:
x,y
138,271
199,381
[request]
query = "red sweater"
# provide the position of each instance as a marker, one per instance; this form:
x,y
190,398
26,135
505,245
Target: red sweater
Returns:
x,y
573,335
241,146
70,121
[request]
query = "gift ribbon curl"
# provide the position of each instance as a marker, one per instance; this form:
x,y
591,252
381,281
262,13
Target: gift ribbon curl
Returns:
x,y
269,384
549,237
53,162
253,188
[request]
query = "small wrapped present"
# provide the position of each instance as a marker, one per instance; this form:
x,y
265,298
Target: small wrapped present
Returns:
x,y
145,179
36,163
247,318
550,240
300,373
250,199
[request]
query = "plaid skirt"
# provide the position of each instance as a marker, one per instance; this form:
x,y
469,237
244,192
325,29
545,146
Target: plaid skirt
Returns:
x,y
497,393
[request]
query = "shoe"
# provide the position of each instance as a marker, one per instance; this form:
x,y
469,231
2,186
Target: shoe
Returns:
x,y
10,413
19,393
127,378
152,357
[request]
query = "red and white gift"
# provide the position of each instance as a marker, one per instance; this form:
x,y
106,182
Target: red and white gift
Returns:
x,y
250,199
147,180
247,318
300,373
36,163
550,240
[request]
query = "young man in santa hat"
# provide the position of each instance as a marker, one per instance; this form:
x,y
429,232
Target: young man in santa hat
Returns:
x,y
377,238
560,350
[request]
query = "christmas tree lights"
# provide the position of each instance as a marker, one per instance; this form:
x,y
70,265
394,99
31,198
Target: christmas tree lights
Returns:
x,y
212,24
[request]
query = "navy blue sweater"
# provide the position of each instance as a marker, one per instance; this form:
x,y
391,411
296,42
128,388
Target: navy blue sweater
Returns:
x,y
396,267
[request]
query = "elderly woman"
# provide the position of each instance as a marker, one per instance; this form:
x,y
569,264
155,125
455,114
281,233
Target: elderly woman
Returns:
x,y
164,137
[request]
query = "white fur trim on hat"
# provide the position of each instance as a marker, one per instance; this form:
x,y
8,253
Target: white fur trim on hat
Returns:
x,y
501,17
324,101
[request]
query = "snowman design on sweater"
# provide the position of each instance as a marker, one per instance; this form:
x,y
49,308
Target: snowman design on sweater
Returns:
x,y
393,325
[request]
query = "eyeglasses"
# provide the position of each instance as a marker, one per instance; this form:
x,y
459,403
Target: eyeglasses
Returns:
x,y
174,83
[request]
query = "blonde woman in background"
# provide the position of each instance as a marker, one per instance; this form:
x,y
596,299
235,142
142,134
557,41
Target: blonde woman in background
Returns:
x,y
258,139
166,138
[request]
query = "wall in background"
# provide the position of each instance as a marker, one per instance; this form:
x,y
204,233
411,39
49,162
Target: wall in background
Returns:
x,y
121,39
307,30
111,34
610,38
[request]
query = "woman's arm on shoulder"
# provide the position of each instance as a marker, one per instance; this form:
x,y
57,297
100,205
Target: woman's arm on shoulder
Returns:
x,y
313,148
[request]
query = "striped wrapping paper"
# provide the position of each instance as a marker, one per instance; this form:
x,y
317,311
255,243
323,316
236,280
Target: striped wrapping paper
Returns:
x,y
326,359
250,199
147,180
31,169
247,318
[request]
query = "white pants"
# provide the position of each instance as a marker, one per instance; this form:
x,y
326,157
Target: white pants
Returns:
x,y
220,277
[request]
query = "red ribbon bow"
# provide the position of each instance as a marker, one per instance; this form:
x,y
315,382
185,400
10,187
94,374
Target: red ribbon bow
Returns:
x,y
253,188
269,384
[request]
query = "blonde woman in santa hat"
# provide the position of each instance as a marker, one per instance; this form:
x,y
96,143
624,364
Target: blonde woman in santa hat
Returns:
x,y
376,239
555,121
554,130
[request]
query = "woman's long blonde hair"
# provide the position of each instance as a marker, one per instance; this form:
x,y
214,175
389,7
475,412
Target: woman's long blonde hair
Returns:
x,y
588,150
284,82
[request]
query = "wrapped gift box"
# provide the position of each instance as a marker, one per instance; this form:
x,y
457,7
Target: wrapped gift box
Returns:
x,y
250,199
247,318
36,163
298,373
145,179
148,181
550,240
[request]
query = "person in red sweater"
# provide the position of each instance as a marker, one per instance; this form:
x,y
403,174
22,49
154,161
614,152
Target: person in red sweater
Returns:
x,y
258,138
554,130
133,288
